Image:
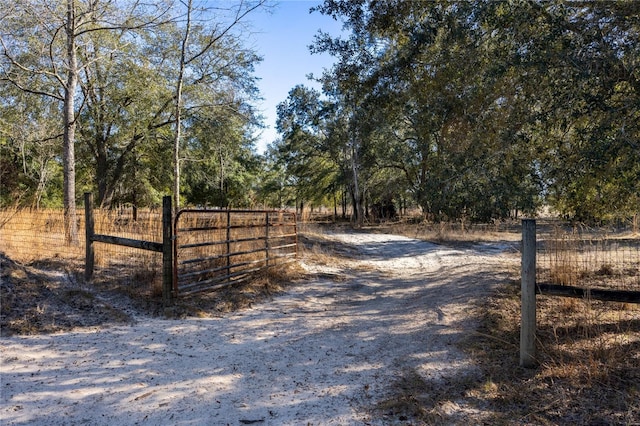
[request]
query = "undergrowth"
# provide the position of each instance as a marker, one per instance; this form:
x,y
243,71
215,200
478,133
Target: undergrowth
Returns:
x,y
37,299
588,352
588,355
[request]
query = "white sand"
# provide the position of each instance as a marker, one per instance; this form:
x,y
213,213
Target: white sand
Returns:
x,y
322,354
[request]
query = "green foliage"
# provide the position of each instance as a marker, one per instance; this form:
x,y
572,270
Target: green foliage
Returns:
x,y
485,109
305,154
471,110
30,170
124,109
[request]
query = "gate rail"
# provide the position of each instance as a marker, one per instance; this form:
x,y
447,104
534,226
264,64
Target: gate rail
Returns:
x,y
207,249
217,248
567,268
165,247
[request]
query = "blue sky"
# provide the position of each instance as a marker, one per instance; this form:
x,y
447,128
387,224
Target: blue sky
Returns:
x,y
282,39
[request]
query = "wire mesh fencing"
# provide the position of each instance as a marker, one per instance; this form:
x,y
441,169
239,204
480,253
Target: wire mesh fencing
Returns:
x,y
588,258
217,248
38,237
29,236
141,270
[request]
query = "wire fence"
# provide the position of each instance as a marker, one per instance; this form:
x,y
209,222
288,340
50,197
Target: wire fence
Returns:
x,y
247,241
588,258
29,236
37,237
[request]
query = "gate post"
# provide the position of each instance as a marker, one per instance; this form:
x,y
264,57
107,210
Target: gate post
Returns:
x,y
89,231
167,251
228,245
266,238
528,295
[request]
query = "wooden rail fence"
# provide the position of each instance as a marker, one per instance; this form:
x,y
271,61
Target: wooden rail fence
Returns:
x,y
216,248
530,287
165,247
207,249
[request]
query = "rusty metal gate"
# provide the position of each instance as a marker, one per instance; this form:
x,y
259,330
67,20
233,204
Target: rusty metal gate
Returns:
x,y
216,248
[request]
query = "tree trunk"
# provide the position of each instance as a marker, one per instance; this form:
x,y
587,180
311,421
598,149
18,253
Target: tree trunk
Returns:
x,y
223,198
176,150
68,152
344,204
102,172
178,110
356,189
43,178
176,162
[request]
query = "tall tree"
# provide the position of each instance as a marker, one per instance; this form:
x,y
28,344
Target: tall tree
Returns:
x,y
488,105
304,150
40,44
198,53
190,60
119,123
29,149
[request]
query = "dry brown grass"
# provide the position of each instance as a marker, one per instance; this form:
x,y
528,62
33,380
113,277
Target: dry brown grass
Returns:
x,y
319,249
456,233
35,235
588,352
34,241
38,300
590,259
588,364
28,235
48,298
427,401
261,287
588,369
563,261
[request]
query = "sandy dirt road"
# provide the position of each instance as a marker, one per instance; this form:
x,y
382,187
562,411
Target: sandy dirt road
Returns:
x,y
326,352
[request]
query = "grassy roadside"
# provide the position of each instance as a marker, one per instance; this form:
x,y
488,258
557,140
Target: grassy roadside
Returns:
x,y
588,369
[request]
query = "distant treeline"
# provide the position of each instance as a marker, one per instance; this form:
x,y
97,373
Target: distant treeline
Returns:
x,y
469,110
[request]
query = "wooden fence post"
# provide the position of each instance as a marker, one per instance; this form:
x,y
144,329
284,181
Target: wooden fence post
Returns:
x,y
228,245
295,231
528,295
89,231
167,252
266,237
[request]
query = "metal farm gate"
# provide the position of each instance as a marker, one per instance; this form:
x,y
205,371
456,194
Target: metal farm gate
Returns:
x,y
216,248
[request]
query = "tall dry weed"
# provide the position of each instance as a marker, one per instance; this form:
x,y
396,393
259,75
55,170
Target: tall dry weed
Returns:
x,y
588,366
30,235
38,237
590,259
